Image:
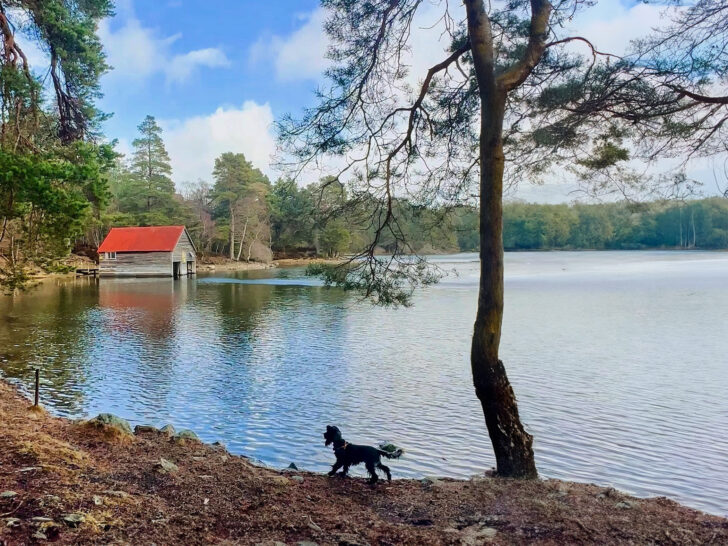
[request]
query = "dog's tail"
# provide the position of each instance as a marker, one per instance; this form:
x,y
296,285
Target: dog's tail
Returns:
x,y
396,454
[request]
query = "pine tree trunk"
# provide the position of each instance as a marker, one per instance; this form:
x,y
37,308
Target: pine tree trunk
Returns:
x,y
232,233
512,445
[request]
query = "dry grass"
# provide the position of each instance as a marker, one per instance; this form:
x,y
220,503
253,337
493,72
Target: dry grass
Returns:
x,y
59,468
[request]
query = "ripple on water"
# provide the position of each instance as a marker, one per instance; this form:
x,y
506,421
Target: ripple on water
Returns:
x,y
618,360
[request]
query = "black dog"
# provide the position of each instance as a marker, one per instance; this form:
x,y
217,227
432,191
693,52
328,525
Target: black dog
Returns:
x,y
351,454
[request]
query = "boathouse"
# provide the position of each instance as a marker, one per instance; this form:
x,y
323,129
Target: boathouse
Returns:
x,y
154,251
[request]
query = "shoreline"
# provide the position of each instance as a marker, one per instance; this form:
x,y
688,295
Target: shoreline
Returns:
x,y
71,482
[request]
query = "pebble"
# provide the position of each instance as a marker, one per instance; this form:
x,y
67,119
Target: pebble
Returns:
x,y
118,494
141,429
40,519
351,540
38,535
74,520
298,479
625,505
12,522
165,466
475,535
113,421
168,430
98,501
186,434
280,480
8,495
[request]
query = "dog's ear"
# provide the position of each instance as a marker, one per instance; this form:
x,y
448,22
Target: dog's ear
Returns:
x,y
328,428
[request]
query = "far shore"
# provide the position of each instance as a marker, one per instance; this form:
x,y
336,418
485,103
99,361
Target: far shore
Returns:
x,y
91,482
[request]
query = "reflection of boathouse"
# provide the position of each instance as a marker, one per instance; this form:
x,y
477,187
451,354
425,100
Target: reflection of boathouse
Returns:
x,y
155,251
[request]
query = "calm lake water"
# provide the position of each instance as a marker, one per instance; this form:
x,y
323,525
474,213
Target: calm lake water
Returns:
x,y
619,361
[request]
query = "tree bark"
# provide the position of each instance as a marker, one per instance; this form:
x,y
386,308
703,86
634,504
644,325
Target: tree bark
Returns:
x,y
512,445
242,238
232,232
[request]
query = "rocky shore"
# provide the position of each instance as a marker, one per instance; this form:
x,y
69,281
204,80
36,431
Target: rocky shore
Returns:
x,y
100,482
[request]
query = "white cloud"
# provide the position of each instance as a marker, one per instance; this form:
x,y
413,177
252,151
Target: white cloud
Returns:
x,y
181,66
610,25
137,52
194,143
299,56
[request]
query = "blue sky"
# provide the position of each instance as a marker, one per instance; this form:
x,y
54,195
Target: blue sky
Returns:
x,y
174,28
217,73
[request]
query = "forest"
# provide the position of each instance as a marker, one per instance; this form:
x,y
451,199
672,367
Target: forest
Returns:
x,y
244,216
63,184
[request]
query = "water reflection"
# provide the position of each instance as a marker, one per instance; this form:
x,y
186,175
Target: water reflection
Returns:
x,y
618,360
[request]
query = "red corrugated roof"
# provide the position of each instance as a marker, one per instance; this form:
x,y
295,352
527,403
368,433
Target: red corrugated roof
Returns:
x,y
142,239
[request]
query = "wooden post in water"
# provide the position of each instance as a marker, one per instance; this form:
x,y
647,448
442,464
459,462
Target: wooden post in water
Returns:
x,y
37,383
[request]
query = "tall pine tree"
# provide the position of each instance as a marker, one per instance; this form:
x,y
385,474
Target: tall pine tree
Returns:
x,y
150,163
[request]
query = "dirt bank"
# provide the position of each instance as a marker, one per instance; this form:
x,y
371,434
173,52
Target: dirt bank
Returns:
x,y
300,262
70,483
217,263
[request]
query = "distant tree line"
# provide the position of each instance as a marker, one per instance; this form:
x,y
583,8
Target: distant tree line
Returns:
x,y
241,215
667,224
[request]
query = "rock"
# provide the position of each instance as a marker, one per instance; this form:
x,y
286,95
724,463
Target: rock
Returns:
x,y
117,494
186,434
40,519
306,543
298,479
431,481
98,501
50,499
110,420
12,522
166,467
562,490
168,430
74,520
271,543
608,492
38,535
279,480
313,526
5,495
29,469
625,505
475,535
347,539
145,429
292,466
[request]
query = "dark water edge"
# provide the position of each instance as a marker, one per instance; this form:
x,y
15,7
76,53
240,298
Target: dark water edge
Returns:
x,y
618,360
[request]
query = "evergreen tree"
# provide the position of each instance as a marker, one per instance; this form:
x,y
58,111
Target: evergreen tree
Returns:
x,y
52,172
239,197
150,164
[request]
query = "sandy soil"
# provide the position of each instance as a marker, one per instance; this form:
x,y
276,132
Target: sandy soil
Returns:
x,y
69,483
297,262
220,263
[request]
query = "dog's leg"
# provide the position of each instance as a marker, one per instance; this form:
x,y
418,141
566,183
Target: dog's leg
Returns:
x,y
336,467
372,472
345,471
386,471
